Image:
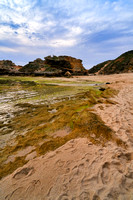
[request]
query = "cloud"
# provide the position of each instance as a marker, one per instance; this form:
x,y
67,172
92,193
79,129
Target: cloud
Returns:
x,y
64,26
62,43
7,49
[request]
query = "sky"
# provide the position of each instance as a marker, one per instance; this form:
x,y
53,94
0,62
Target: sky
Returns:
x,y
91,30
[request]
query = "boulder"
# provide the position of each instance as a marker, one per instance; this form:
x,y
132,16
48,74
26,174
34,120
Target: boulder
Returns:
x,y
68,74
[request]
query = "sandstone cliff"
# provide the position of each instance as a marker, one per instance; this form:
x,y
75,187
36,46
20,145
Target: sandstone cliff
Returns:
x,y
66,63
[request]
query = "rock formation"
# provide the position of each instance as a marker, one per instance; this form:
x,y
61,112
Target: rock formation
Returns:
x,y
68,74
34,66
66,63
122,64
50,66
8,67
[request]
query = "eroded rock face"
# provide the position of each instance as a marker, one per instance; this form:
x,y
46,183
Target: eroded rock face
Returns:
x,y
66,63
76,64
50,66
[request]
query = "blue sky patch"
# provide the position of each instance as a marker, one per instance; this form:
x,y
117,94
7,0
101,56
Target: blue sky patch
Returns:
x,y
93,31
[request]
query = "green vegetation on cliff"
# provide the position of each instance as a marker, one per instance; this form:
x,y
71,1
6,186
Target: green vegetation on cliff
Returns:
x,y
122,64
98,67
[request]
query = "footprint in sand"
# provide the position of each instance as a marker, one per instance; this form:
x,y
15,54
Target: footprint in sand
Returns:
x,y
63,197
24,172
126,156
15,194
60,163
84,196
105,175
34,185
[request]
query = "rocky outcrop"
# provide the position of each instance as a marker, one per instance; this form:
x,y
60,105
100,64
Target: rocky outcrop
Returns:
x,y
76,64
34,66
8,67
50,66
122,64
66,63
38,67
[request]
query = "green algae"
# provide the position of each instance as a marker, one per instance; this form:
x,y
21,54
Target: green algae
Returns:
x,y
74,112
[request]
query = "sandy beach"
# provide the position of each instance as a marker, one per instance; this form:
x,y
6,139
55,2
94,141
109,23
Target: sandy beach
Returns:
x,y
80,170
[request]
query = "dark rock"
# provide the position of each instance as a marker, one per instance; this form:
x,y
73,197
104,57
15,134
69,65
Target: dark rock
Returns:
x,y
108,83
66,63
102,89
